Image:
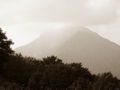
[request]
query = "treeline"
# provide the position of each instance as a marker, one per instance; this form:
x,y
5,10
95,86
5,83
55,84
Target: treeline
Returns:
x,y
50,73
25,73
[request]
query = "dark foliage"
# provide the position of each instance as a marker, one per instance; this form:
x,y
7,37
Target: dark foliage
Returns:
x,y
5,49
50,73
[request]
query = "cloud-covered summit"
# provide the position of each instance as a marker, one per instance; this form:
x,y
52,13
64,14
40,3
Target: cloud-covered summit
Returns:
x,y
29,15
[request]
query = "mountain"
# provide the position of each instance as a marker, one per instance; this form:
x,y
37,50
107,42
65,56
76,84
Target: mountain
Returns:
x,y
77,45
47,44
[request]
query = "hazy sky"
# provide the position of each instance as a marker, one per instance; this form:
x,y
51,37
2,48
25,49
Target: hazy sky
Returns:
x,y
29,18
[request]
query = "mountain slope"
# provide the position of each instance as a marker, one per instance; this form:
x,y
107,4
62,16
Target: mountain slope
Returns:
x,y
80,45
46,44
96,53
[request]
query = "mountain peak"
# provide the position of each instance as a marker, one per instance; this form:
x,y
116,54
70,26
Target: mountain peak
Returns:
x,y
77,45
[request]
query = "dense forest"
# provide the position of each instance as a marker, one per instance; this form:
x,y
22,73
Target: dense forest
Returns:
x,y
50,73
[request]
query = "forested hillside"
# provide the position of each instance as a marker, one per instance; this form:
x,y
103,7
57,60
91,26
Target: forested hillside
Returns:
x,y
50,73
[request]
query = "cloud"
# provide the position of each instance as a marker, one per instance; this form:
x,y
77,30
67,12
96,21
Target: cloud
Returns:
x,y
69,11
22,34
19,17
82,12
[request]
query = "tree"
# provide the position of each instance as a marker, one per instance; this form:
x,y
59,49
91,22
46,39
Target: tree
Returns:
x,y
106,81
5,49
5,43
52,60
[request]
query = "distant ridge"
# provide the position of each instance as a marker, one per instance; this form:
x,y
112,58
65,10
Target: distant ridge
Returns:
x,y
77,45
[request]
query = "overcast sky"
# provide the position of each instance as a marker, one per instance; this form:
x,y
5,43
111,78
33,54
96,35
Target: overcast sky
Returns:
x,y
30,18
